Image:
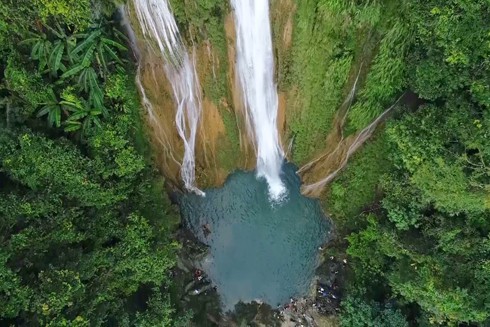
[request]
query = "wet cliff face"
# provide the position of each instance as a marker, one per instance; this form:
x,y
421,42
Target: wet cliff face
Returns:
x,y
222,145
332,62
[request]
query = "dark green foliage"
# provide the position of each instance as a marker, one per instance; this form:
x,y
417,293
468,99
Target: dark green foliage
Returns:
x,y
71,68
452,53
360,314
27,89
73,230
84,224
358,185
428,242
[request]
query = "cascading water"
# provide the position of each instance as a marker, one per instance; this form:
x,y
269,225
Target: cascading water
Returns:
x,y
158,25
361,138
255,66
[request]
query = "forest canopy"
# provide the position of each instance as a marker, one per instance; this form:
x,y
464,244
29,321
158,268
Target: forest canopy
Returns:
x,y
84,222
425,248
85,225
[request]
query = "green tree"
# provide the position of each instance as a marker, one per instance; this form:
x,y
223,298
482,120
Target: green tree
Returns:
x,y
357,313
84,222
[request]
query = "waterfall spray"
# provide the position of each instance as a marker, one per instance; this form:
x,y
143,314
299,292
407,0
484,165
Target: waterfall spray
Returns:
x,y
255,66
158,26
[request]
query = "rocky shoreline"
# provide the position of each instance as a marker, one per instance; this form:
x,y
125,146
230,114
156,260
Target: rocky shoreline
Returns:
x,y
196,292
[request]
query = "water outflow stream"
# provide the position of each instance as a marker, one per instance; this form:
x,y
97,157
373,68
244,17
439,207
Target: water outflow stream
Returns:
x,y
255,65
158,26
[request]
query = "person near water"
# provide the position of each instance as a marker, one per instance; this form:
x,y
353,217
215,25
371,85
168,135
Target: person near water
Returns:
x,y
206,230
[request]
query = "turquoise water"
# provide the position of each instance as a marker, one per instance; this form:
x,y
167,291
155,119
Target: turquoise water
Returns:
x,y
257,250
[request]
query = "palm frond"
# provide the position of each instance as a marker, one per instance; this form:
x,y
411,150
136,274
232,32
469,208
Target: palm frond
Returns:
x,y
72,71
87,42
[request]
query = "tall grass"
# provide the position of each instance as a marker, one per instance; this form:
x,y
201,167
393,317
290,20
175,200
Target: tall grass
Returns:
x,y
385,79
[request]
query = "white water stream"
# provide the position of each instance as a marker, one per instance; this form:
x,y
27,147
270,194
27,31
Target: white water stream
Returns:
x,y
255,66
360,139
158,26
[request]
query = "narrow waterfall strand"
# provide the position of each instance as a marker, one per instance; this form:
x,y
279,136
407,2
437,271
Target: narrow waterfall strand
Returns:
x,y
255,66
158,25
360,139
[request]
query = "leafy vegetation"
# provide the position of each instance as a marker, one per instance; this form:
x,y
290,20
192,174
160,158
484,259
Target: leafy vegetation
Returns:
x,y
84,224
419,245
358,186
357,313
385,79
85,228
333,42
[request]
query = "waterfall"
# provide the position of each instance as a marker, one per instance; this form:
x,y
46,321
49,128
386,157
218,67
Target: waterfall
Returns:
x,y
255,66
158,26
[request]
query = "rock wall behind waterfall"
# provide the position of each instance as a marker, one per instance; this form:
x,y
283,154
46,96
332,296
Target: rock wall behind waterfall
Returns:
x,y
222,145
337,68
